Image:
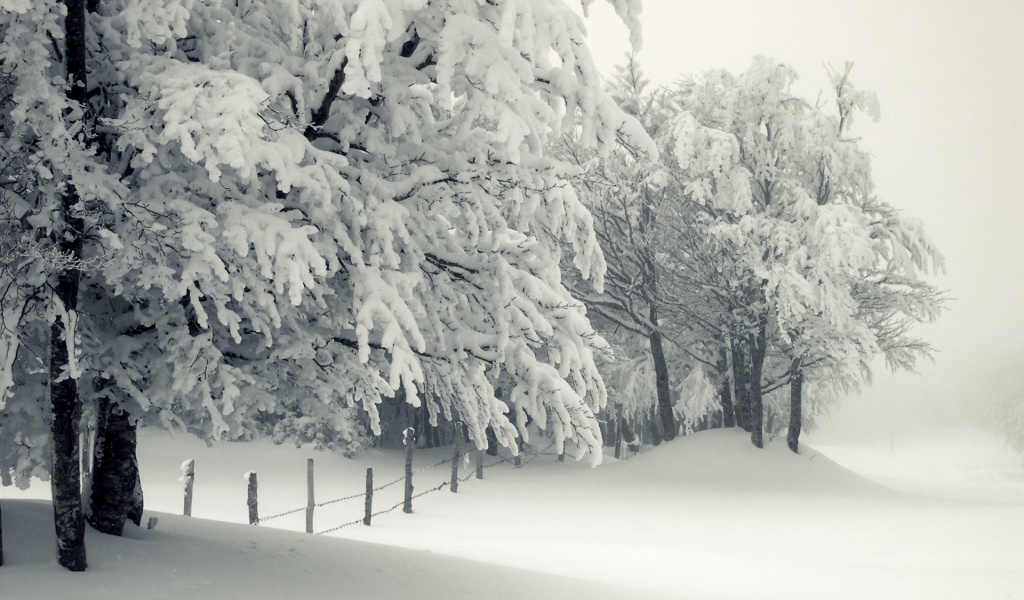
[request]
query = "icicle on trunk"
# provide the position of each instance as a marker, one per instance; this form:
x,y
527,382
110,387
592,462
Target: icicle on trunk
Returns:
x,y
796,392
116,490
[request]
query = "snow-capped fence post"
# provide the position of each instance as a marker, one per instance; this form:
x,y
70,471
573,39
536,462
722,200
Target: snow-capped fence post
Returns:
x,y
409,433
188,469
310,500
479,463
455,458
254,513
368,511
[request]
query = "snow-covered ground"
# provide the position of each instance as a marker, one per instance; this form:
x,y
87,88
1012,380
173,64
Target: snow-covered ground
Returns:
x,y
706,516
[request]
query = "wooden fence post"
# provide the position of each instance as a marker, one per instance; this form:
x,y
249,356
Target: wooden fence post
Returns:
x,y
454,487
188,469
254,513
409,433
479,464
310,499
368,511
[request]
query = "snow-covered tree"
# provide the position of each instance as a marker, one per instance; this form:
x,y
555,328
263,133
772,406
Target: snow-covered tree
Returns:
x,y
756,245
788,198
622,191
1005,408
295,208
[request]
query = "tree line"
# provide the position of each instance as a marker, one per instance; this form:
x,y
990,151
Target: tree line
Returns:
x,y
752,257
310,220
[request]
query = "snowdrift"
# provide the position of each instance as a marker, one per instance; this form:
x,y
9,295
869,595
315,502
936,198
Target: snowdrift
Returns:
x,y
200,559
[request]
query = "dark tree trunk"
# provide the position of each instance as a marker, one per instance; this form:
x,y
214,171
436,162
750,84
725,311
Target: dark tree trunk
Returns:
x,y
66,475
796,401
116,490
430,435
758,349
725,391
618,431
741,380
492,441
665,412
725,397
654,427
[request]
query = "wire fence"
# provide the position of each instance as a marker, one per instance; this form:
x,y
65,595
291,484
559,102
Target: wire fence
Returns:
x,y
519,461
444,484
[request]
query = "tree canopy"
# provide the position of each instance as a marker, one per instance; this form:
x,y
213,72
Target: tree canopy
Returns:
x,y
757,240
288,209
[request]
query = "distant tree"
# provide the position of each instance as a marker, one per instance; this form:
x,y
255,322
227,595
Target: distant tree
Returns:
x,y
759,244
623,193
1005,405
788,194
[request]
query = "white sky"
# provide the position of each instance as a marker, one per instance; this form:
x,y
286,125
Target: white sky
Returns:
x,y
947,150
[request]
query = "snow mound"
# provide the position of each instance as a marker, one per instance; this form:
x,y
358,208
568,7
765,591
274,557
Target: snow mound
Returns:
x,y
725,459
208,560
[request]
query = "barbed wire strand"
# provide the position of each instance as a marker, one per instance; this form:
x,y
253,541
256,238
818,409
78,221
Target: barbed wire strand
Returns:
x,y
279,515
352,497
387,510
467,477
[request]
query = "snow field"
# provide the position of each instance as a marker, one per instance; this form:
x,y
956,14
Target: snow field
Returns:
x,y
706,516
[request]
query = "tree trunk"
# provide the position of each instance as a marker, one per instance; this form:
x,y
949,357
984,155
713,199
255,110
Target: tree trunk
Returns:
x,y
116,489
492,441
666,414
741,381
66,475
758,349
725,390
654,427
618,431
725,397
796,400
429,434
